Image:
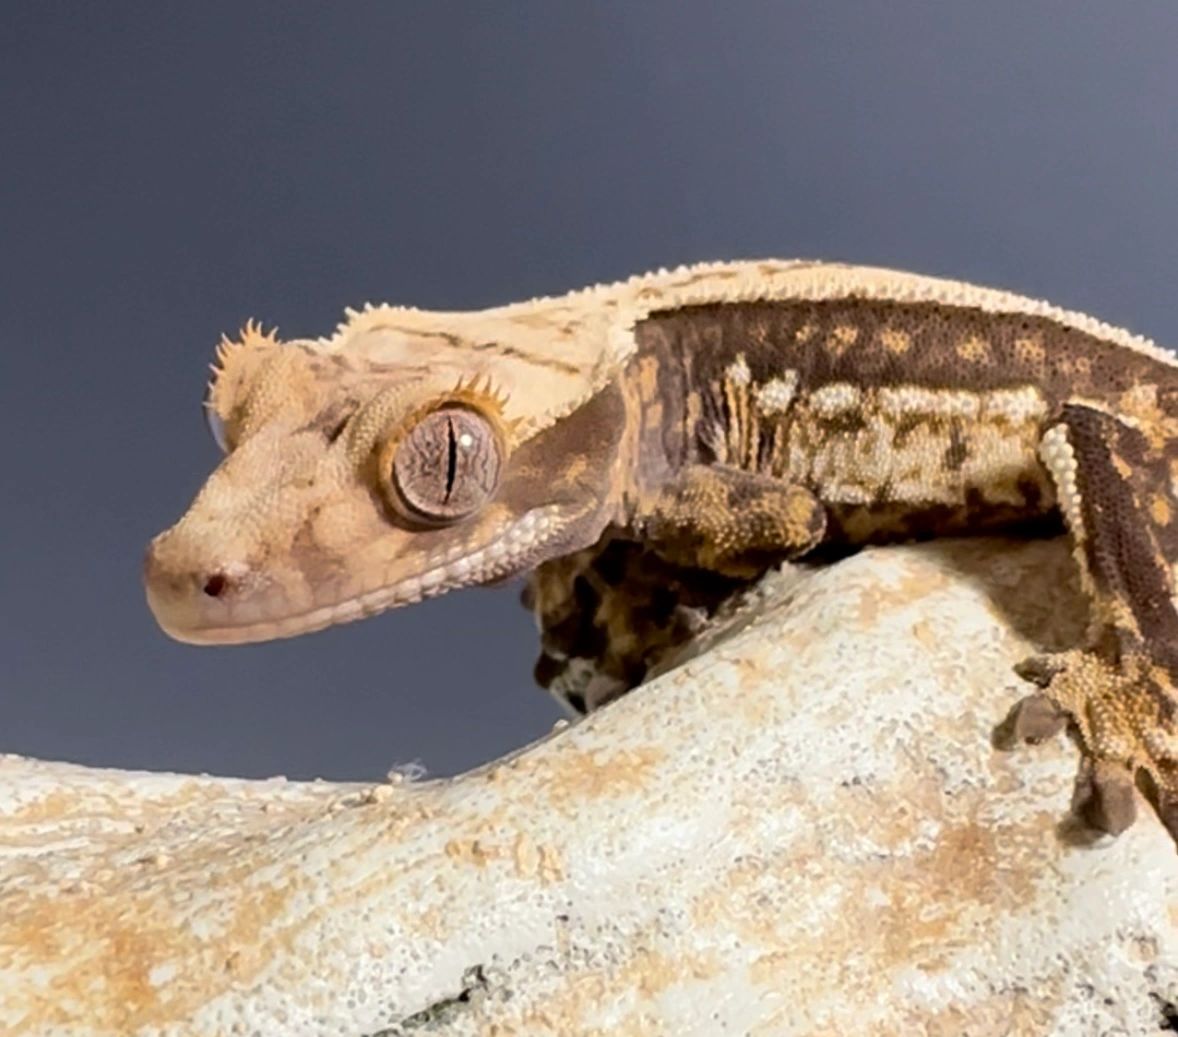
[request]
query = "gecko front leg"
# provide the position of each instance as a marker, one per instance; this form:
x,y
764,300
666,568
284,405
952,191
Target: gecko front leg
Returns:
x,y
609,612
731,521
1119,692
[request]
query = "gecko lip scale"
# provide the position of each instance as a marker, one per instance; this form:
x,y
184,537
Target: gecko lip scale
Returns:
x,y
504,555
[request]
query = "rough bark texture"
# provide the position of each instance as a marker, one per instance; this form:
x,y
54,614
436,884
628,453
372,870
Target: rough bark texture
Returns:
x,y
802,830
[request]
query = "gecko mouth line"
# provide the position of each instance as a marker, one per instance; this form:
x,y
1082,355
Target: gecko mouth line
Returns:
x,y
504,555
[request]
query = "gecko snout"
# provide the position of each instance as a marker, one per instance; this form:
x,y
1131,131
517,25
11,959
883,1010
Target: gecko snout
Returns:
x,y
162,574
186,597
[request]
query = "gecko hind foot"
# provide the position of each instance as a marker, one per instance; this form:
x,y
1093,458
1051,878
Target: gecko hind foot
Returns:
x,y
1123,714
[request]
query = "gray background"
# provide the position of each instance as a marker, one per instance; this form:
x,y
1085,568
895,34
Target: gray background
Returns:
x,y
168,170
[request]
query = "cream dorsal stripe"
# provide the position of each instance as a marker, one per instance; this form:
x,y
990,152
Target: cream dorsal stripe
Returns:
x,y
765,280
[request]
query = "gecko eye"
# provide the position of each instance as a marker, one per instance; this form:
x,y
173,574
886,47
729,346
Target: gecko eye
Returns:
x,y
448,465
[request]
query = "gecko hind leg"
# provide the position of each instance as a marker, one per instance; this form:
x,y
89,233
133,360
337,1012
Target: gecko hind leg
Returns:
x,y
1119,693
730,521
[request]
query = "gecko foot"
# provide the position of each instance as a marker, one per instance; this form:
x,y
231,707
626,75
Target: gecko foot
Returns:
x,y
1125,716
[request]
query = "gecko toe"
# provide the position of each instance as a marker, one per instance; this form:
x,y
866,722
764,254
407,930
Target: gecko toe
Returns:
x,y
1167,809
1031,720
1040,670
1104,796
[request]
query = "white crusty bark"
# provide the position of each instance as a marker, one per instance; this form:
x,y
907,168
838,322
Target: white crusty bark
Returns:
x,y
803,830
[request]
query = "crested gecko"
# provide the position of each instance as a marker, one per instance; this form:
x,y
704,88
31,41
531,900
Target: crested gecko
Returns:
x,y
725,417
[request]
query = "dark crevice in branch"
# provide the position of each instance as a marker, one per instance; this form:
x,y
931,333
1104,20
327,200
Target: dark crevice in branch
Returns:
x,y
440,1013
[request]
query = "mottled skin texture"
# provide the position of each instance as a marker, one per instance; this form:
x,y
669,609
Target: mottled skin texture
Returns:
x,y
647,447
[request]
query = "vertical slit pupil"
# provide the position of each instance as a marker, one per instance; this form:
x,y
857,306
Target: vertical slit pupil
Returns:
x,y
451,457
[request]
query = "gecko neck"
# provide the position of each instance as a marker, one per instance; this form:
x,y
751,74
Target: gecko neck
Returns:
x,y
657,388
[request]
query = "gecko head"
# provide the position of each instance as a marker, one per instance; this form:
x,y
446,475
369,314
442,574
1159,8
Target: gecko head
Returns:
x,y
351,486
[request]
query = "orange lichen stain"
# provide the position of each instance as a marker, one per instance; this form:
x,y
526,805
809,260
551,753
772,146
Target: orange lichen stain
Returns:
x,y
58,804
1144,949
651,972
736,905
925,632
473,851
551,866
647,973
1160,510
934,902
880,602
1014,1012
910,806
128,934
49,807
526,856
754,670
141,966
772,968
572,777
564,1013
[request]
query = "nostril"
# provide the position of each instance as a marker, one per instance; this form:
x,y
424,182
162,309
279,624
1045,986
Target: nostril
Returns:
x,y
216,585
